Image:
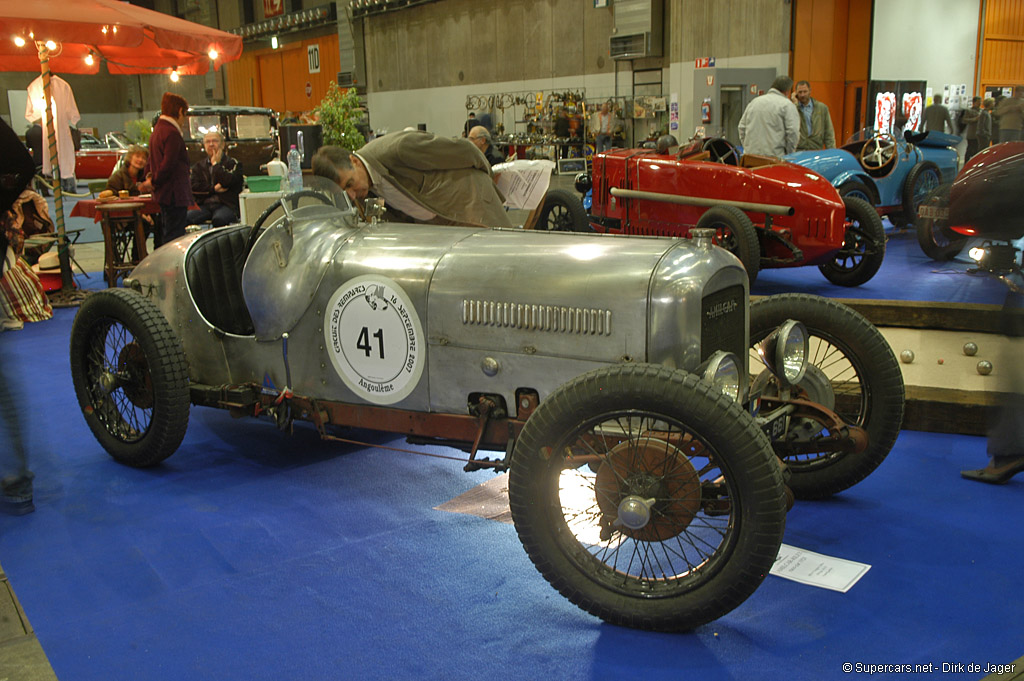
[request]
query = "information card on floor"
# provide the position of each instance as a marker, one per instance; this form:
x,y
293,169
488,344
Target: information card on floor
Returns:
x,y
815,569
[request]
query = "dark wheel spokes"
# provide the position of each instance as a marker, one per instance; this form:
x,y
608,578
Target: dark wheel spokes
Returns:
x,y
559,219
120,384
856,245
926,184
636,514
835,383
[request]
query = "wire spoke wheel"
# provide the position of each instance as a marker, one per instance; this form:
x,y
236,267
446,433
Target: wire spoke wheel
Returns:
x,y
635,511
119,382
646,497
852,371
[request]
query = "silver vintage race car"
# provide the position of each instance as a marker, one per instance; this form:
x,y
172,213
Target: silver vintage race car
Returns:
x,y
655,425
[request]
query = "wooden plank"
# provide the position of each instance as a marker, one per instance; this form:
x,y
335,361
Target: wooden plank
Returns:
x,y
931,315
946,410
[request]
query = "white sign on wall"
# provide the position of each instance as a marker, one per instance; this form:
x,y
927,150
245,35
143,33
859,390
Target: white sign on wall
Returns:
x,y
313,57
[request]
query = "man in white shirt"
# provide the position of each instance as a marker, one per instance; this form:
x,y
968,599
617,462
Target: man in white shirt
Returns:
x,y
771,125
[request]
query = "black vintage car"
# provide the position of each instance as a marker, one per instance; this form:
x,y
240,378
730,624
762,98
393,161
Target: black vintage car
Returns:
x,y
250,132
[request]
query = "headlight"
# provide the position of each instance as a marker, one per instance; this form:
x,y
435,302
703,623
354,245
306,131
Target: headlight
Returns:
x,y
722,370
784,352
582,183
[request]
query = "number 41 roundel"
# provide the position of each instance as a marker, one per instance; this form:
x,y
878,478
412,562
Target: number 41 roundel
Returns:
x,y
375,339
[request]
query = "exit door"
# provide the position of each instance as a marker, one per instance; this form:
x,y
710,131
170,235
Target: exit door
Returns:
x,y
733,103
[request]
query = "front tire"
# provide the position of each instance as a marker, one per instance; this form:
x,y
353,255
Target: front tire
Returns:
x,y
735,233
863,246
563,211
602,444
130,377
862,379
857,189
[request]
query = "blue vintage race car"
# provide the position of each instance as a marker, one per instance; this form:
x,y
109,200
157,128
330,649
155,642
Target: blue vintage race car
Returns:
x,y
895,175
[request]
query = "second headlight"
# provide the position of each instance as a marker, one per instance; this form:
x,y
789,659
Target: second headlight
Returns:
x,y
784,352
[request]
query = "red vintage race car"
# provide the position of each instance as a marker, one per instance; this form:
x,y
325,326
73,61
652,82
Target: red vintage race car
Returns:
x,y
769,213
97,158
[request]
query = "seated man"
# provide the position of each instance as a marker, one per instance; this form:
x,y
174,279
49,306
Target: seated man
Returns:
x,y
422,178
480,136
216,183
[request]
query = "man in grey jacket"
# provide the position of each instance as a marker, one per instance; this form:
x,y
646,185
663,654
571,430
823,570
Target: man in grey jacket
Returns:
x,y
771,125
421,177
816,131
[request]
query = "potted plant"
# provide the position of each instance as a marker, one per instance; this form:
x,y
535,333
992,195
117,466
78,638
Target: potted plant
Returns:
x,y
338,113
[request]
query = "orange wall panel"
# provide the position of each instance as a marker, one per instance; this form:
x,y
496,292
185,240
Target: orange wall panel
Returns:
x,y
278,78
1002,49
272,81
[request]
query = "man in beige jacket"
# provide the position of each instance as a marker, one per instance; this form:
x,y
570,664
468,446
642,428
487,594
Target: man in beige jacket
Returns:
x,y
421,177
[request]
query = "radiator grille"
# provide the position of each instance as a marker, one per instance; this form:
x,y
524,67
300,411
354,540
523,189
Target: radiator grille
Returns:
x,y
723,316
551,318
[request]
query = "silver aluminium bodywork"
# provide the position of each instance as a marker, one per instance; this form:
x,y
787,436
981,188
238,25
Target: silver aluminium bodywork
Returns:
x,y
473,310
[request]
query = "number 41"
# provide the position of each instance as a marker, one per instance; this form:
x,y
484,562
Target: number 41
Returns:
x,y
364,341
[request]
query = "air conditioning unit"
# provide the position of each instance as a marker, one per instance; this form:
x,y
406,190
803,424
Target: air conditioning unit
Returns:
x,y
637,30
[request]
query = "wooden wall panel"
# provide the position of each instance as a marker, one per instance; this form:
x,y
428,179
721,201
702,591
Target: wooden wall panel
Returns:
x,y
461,42
726,28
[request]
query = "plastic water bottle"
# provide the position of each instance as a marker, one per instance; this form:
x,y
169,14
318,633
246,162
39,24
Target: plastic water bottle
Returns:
x,y
294,169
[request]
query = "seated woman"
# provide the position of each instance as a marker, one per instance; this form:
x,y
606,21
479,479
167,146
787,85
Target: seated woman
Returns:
x,y
129,175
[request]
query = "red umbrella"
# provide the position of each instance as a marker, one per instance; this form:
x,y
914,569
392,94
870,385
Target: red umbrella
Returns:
x,y
130,39
73,36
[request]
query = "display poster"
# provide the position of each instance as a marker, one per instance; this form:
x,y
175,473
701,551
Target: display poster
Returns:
x,y
897,105
673,113
912,109
885,111
523,183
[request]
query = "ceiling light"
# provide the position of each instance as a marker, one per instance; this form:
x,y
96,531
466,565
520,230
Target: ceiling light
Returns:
x,y
19,41
174,76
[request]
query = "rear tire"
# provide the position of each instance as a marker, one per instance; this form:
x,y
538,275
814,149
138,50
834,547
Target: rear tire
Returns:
x,y
563,211
922,181
736,234
863,246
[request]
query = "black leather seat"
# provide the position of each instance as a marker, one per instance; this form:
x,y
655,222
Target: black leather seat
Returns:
x,y
213,270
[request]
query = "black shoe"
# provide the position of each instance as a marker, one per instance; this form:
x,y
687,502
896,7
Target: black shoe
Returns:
x,y
16,507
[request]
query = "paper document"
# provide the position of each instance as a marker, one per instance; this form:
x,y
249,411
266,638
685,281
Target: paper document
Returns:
x,y
815,569
523,183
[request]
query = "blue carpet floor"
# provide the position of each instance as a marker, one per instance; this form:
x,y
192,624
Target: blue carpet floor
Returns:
x,y
251,554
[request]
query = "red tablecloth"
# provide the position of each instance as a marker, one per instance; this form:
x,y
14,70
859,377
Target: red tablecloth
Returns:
x,y
86,208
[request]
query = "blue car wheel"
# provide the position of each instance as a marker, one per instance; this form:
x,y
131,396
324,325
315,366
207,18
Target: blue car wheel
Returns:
x,y
922,180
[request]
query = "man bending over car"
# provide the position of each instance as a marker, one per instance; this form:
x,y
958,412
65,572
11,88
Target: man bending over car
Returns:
x,y
421,177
